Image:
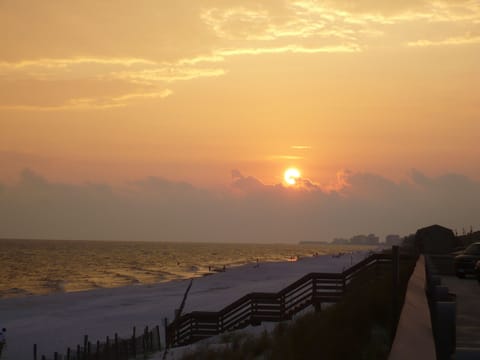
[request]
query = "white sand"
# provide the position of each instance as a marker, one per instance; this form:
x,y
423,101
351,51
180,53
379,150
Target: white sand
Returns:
x,y
55,322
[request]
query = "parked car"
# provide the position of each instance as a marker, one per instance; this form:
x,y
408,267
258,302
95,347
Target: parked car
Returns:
x,y
477,270
465,262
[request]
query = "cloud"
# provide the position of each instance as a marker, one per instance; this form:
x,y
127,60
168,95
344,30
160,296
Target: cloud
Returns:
x,y
300,147
159,209
168,74
67,95
451,41
107,29
64,63
159,44
285,157
246,184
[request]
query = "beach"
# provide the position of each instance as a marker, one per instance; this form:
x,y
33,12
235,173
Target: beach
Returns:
x,y
57,321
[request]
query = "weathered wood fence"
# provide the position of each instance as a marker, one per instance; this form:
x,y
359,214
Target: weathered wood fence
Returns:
x,y
251,309
312,289
114,348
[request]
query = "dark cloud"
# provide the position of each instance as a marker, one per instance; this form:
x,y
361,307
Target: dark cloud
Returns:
x,y
159,209
246,184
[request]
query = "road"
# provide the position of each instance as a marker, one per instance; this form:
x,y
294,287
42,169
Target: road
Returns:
x,y
468,309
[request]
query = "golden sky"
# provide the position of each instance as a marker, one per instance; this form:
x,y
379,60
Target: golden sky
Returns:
x,y
188,90
130,119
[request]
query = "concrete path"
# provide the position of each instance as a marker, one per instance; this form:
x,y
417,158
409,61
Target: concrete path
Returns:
x,y
468,310
414,338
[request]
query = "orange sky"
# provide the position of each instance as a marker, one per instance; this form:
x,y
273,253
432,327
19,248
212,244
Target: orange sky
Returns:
x,y
115,91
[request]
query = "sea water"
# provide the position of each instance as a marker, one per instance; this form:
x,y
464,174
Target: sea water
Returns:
x,y
36,267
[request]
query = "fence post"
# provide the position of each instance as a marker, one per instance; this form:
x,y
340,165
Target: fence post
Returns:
x,y
145,337
97,352
78,351
134,344
55,355
68,353
107,348
34,351
158,338
125,348
116,346
395,285
85,344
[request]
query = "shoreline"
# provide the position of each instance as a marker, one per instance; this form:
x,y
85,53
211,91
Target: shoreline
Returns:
x,y
125,275
57,321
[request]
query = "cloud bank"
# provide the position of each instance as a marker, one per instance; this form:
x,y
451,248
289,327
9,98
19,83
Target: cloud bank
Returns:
x,y
150,46
247,211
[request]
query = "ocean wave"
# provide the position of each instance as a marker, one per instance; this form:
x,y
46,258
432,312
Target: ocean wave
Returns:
x,y
14,292
80,266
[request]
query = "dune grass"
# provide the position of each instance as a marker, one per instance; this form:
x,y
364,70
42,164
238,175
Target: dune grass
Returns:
x,y
361,326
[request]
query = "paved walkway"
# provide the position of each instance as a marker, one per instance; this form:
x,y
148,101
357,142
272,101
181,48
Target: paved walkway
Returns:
x,y
414,338
468,309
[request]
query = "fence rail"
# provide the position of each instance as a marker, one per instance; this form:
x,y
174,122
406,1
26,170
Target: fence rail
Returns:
x,y
253,308
115,348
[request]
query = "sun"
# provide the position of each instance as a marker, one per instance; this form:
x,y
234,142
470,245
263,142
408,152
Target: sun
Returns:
x,y
291,176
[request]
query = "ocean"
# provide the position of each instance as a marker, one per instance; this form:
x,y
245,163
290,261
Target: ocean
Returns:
x,y
37,267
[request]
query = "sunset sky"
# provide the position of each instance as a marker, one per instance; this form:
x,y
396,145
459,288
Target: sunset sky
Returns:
x,y
377,103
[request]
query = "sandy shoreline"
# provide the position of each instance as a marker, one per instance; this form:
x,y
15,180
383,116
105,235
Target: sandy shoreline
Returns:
x,y
57,321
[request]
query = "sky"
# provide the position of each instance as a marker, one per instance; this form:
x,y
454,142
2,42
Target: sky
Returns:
x,y
175,121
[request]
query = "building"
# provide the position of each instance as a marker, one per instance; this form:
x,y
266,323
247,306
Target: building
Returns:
x,y
435,239
393,240
370,239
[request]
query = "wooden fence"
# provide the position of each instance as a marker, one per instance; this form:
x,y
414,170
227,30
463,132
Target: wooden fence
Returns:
x,y
251,309
114,348
312,289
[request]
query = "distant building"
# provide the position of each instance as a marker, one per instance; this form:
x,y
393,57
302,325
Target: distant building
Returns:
x,y
393,240
435,239
340,241
370,239
313,242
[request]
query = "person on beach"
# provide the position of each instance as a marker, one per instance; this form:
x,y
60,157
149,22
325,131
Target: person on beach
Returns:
x,y
3,340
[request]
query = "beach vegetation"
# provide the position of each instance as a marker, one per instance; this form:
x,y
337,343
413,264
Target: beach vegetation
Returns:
x,y
361,326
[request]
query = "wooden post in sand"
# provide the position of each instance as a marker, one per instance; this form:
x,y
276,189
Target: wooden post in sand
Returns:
x,y
158,338
116,346
97,352
134,343
34,351
151,340
107,347
85,345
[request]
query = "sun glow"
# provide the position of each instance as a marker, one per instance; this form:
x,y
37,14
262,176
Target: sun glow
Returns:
x,y
291,175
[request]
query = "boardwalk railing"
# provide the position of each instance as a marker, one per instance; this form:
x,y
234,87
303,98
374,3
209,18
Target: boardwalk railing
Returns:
x,y
312,289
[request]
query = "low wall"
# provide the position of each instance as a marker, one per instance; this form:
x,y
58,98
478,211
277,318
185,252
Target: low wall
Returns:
x,y
414,337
